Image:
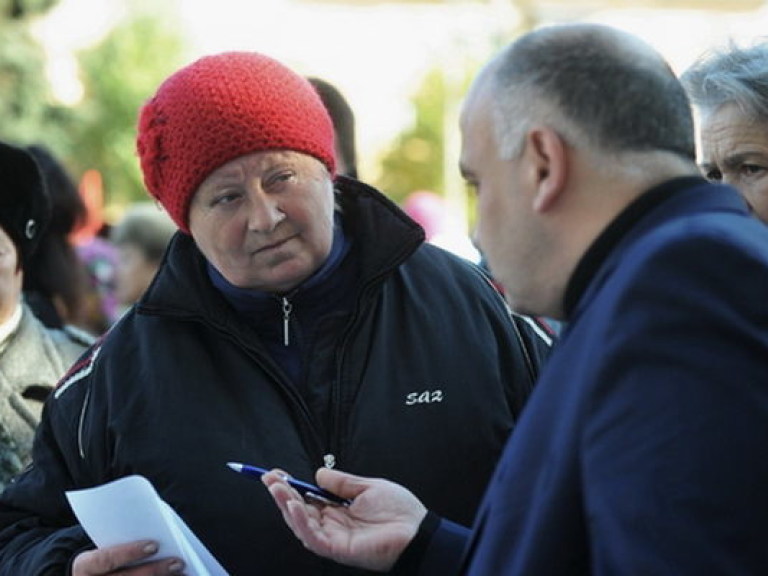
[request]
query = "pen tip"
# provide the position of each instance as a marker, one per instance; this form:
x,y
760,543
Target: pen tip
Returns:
x,y
235,466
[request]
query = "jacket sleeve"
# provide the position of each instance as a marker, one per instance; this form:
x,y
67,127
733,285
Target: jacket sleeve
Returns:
x,y
39,535
436,550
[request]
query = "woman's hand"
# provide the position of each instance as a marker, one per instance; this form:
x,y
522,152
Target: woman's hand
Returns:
x,y
113,560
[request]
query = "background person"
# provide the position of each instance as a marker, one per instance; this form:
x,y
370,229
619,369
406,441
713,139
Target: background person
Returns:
x,y
141,237
56,283
636,451
343,119
32,356
297,321
729,90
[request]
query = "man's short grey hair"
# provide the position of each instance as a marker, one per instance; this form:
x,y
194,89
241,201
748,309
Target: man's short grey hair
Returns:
x,y
595,87
731,74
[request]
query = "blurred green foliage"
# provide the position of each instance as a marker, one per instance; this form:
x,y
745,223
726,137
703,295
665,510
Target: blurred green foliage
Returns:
x,y
27,110
19,9
118,76
415,159
425,156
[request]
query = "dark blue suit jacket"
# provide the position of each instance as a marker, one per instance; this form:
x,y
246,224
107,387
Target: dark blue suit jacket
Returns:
x,y
644,448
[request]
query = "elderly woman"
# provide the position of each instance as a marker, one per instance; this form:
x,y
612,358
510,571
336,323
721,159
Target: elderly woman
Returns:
x,y
32,356
729,90
298,320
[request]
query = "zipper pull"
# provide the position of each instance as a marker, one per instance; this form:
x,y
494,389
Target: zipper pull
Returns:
x,y
329,460
287,308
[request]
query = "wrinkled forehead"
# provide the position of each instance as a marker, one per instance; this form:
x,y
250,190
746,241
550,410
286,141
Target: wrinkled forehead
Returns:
x,y
728,125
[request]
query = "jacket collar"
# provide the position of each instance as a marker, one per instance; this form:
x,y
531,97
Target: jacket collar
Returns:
x,y
8,327
679,197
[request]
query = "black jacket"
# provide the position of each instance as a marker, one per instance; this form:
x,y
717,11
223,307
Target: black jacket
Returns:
x,y
428,375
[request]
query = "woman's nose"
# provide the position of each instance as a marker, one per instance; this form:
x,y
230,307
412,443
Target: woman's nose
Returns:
x,y
264,212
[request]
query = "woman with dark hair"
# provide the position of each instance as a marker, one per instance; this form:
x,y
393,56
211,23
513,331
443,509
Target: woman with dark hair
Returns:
x,y
32,356
57,285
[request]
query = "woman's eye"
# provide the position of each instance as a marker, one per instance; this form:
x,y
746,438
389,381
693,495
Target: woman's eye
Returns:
x,y
225,197
751,169
275,180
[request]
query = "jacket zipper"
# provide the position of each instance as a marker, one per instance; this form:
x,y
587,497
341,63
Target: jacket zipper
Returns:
x,y
287,309
286,306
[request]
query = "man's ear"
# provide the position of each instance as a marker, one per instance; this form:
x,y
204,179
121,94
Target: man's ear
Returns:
x,y
550,164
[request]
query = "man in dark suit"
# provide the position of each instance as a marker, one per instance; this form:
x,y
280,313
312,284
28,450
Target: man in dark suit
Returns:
x,y
642,450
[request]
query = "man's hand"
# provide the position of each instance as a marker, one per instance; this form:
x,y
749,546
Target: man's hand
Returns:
x,y
112,560
371,533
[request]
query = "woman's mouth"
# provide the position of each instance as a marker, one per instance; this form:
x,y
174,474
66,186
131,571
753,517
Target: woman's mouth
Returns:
x,y
273,245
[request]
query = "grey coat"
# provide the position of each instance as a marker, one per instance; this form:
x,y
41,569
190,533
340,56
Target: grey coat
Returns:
x,y
30,365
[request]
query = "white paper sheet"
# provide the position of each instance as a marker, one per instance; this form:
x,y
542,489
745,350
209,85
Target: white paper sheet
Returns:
x,y
130,509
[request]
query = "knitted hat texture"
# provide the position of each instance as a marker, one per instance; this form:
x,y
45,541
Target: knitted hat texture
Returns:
x,y
219,108
25,208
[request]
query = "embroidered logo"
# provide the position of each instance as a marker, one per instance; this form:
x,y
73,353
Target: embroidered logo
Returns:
x,y
425,397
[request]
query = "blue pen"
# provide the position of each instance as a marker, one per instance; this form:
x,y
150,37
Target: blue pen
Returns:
x,y
308,491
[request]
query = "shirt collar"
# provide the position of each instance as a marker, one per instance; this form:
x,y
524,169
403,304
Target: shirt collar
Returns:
x,y
8,327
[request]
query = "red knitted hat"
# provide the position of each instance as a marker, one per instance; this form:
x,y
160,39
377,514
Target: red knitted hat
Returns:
x,y
220,108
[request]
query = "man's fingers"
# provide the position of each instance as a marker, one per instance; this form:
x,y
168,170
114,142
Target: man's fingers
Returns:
x,y
282,494
306,527
342,483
